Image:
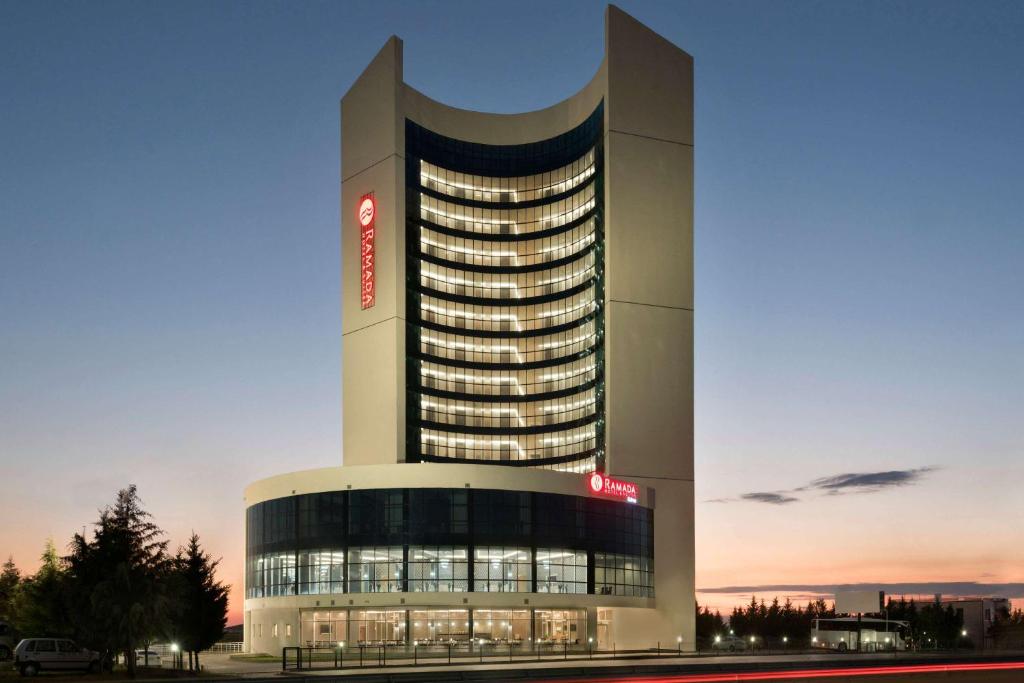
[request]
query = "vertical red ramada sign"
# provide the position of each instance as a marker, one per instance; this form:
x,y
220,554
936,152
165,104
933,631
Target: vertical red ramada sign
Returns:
x,y
367,216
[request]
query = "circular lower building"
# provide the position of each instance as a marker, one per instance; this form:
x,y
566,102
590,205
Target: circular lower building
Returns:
x,y
517,314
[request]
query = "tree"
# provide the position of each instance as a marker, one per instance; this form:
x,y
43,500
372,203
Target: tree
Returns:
x,y
120,579
39,606
708,625
201,602
10,579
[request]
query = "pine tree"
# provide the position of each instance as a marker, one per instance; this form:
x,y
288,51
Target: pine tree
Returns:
x,y
201,602
10,579
120,579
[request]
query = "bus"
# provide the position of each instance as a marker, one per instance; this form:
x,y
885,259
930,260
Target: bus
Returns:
x,y
875,634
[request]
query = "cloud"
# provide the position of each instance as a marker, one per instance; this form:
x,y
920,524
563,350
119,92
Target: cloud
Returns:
x,y
853,482
925,589
867,482
769,498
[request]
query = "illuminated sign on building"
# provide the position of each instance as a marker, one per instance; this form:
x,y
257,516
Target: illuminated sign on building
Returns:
x,y
367,214
614,488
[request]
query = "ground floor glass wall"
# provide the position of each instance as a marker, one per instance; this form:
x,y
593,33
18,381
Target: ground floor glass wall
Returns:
x,y
323,629
373,627
439,626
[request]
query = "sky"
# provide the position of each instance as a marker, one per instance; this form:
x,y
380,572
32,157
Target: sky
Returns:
x,y
169,265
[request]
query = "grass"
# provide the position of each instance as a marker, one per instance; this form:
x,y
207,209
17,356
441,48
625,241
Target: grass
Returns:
x,y
261,658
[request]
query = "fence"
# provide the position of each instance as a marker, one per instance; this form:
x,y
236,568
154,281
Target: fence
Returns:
x,y
166,649
464,652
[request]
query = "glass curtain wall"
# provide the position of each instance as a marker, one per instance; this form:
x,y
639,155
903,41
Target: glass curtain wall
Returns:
x,y
502,570
505,301
377,627
438,569
568,626
323,629
439,626
375,570
502,626
561,571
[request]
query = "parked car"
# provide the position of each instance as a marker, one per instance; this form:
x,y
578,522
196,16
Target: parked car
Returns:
x,y
53,654
153,658
730,643
6,641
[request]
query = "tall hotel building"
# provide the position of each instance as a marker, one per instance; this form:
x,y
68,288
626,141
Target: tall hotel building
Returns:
x,y
517,309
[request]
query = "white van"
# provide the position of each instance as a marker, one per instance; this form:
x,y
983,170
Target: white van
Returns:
x,y
53,654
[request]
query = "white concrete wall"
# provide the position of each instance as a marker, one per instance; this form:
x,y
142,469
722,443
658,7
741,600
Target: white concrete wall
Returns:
x,y
373,340
646,84
649,299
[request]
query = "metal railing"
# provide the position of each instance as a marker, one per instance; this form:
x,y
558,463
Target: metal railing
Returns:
x,y
462,652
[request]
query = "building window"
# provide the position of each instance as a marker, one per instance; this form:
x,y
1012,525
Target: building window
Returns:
x,y
503,570
628,575
323,629
561,626
502,625
375,570
561,571
438,569
321,571
437,626
271,575
275,630
288,630
378,626
376,512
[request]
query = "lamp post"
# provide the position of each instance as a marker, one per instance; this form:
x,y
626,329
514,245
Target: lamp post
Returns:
x,y
679,645
590,647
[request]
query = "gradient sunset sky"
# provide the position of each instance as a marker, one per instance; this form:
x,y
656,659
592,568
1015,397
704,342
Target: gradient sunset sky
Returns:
x,y
169,265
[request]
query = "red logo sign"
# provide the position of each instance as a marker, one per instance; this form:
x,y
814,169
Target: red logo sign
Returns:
x,y
614,488
366,210
367,214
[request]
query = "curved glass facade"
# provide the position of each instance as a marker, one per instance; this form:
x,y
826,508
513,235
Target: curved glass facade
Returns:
x,y
505,268
448,540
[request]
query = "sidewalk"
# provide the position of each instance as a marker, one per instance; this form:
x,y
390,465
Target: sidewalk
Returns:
x,y
497,667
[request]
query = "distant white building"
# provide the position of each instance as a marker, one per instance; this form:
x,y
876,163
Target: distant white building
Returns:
x,y
978,614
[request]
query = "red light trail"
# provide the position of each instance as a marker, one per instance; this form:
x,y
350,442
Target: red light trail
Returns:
x,y
804,674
